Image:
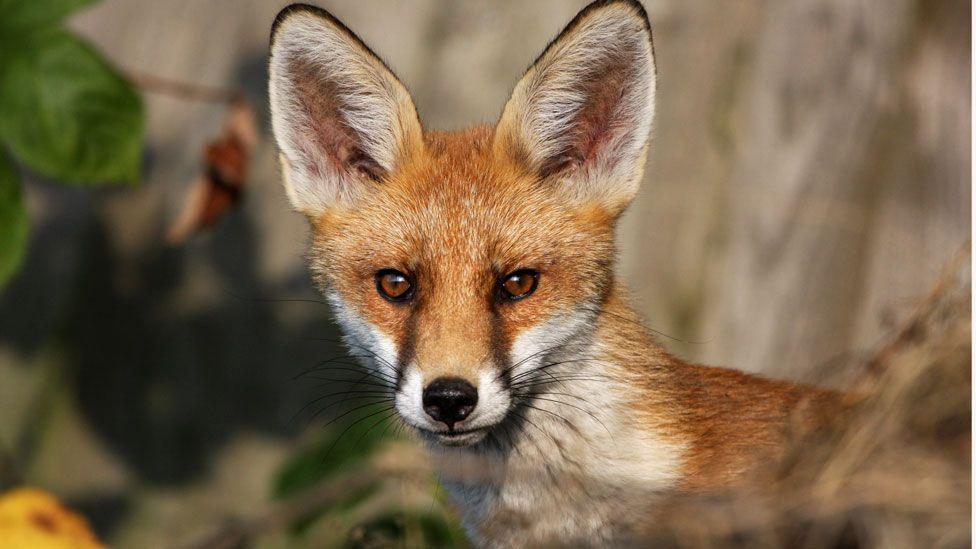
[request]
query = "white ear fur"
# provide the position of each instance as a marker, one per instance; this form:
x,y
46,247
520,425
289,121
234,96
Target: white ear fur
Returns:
x,y
582,113
341,118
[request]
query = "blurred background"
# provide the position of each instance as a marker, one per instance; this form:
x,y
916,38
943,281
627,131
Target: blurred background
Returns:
x,y
808,179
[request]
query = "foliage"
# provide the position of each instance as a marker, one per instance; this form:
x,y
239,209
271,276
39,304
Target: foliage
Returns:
x,y
376,513
344,445
21,15
64,112
13,220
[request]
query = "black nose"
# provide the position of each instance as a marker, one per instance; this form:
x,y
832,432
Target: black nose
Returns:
x,y
449,399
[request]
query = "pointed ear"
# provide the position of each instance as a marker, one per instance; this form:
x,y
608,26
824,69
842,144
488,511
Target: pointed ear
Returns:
x,y
341,118
581,116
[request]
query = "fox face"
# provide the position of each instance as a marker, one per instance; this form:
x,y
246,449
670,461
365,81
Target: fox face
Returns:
x,y
462,262
455,272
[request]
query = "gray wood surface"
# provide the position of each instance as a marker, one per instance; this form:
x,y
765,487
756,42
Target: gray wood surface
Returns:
x,y
809,174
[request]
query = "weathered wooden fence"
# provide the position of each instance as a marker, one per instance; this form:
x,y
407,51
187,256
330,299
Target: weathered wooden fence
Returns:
x,y
809,175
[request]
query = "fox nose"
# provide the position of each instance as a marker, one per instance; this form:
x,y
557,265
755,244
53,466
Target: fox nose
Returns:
x,y
449,400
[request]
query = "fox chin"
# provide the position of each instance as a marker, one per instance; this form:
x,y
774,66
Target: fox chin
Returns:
x,y
475,271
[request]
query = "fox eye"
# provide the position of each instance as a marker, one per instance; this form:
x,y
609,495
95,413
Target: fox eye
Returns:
x,y
394,285
518,284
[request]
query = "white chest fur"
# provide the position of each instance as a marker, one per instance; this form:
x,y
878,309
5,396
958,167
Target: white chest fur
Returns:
x,y
579,472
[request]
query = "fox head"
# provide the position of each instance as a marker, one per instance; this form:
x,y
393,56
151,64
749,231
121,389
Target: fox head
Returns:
x,y
459,261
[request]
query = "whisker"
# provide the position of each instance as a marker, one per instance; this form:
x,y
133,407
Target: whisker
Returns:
x,y
546,366
353,367
506,371
508,437
551,365
563,379
359,381
337,393
543,382
390,424
550,412
398,431
371,427
332,360
359,407
349,427
600,310
585,411
364,381
527,420
363,392
350,344
271,300
376,399
543,369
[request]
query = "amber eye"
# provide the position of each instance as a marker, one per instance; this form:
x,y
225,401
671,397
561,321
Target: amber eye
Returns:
x,y
394,285
519,284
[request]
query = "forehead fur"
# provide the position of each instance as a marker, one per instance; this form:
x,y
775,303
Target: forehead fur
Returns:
x,y
458,202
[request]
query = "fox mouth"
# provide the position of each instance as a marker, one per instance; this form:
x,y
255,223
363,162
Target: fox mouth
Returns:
x,y
457,438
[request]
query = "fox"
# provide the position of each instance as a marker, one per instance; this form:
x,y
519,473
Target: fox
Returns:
x,y
475,271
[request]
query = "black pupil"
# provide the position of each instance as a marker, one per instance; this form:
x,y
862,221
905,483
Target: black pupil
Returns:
x,y
519,284
394,284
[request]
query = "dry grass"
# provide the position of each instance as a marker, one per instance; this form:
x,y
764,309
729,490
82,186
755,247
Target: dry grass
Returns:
x,y
893,473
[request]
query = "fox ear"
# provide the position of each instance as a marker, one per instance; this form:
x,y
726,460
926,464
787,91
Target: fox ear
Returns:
x,y
581,115
341,118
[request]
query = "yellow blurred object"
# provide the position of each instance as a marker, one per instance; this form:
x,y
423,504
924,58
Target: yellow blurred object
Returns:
x,y
34,519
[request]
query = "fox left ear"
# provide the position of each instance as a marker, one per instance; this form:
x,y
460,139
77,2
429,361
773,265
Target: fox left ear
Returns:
x,y
342,120
581,116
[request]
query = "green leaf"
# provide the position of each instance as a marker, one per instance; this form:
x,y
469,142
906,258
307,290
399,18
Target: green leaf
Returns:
x,y
24,15
345,444
66,113
13,221
349,502
394,527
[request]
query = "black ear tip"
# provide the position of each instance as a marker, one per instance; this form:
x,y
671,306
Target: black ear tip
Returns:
x,y
297,8
293,9
634,5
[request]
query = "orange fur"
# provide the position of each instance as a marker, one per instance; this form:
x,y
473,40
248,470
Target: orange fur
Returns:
x,y
458,211
732,422
459,216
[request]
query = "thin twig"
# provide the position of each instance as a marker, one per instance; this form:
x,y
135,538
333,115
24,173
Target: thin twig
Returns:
x,y
183,90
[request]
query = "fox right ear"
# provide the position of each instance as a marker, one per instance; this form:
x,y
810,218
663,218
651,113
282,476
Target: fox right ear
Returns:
x,y
580,118
341,118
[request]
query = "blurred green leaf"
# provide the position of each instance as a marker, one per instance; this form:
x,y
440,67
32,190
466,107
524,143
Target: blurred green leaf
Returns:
x,y
13,221
349,502
355,498
422,529
439,530
66,113
344,445
25,15
365,516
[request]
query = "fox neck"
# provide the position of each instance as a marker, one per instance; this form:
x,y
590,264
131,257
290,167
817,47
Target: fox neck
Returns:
x,y
582,432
